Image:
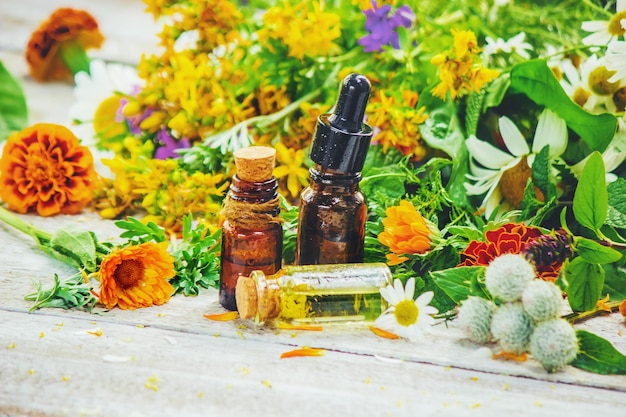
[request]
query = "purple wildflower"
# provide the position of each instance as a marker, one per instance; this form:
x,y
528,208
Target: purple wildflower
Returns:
x,y
382,27
168,145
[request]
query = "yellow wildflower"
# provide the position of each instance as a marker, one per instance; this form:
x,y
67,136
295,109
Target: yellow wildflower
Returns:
x,y
290,166
398,122
459,73
302,30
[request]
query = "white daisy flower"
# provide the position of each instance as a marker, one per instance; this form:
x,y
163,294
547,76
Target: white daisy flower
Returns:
x,y
590,86
605,31
616,59
405,316
98,94
501,175
514,45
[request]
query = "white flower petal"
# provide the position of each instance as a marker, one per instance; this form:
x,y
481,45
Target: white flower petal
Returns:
x,y
409,289
512,137
386,293
424,299
551,130
486,154
492,200
387,321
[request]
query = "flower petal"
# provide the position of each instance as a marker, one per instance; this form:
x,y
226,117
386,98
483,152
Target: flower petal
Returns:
x,y
486,154
409,289
512,137
551,130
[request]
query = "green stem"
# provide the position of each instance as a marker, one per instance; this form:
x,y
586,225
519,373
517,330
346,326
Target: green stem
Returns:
x,y
41,237
74,57
597,8
578,317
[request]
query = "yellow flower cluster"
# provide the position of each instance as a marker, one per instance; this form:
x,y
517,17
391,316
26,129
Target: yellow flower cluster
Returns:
x,y
316,32
459,71
166,192
398,122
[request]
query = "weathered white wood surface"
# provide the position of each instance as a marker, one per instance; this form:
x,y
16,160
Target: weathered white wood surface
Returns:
x,y
169,360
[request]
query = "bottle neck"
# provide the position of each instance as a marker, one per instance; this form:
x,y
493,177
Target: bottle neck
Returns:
x,y
253,192
330,177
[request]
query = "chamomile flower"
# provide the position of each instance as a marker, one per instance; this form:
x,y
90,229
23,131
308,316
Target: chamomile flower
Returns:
x,y
592,85
605,31
98,97
616,59
405,316
515,45
502,175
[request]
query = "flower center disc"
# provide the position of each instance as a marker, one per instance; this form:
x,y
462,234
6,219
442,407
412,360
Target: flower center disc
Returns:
x,y
406,312
128,273
615,24
513,183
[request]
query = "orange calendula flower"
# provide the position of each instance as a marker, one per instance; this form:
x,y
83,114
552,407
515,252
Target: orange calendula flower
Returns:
x,y
137,276
45,168
56,50
406,232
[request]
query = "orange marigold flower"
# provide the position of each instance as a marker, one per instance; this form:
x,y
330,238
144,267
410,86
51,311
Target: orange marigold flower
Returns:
x,y
56,49
137,276
406,232
44,168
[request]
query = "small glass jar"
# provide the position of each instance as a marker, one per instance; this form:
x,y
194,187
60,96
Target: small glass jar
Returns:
x,y
252,233
315,293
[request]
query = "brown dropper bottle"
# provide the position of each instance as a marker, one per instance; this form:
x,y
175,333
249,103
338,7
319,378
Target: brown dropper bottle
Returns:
x,y
331,223
252,234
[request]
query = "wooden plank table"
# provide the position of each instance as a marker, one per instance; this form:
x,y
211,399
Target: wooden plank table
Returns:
x,y
169,360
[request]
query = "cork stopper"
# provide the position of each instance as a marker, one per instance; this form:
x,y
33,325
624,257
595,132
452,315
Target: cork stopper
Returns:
x,y
246,296
255,163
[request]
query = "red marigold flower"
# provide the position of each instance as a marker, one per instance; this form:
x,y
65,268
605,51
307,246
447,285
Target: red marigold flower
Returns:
x,y
45,168
510,238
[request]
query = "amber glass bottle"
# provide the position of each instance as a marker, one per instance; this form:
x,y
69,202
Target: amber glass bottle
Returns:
x,y
252,234
331,223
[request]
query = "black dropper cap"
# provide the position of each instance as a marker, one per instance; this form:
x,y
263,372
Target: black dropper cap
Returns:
x,y
341,138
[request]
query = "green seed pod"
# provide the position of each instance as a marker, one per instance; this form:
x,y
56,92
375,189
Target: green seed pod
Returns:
x,y
507,275
554,344
511,328
542,300
474,318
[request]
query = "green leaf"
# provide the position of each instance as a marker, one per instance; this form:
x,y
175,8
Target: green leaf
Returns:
x,y
79,246
541,173
535,79
591,196
457,282
616,215
136,231
13,109
593,252
442,129
585,283
473,111
614,282
598,355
